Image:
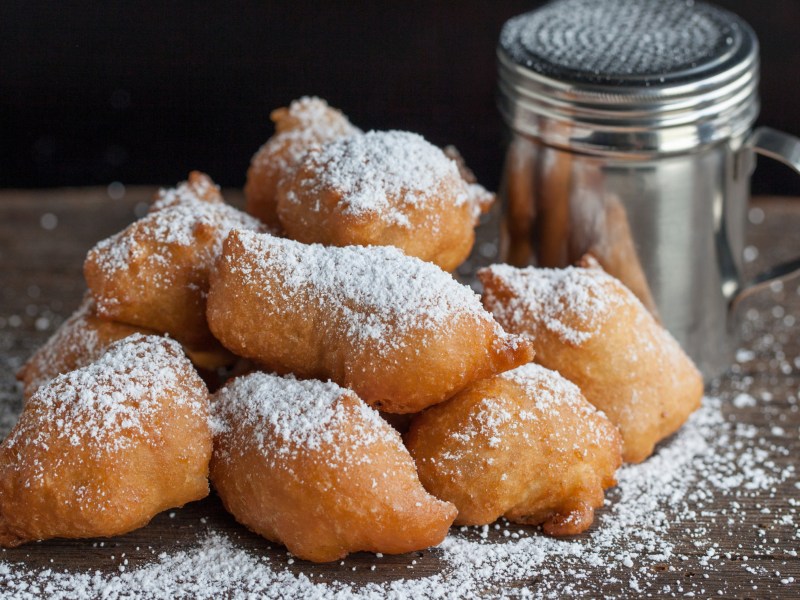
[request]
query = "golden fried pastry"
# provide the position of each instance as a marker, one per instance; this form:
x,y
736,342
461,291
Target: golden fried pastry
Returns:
x,y
305,123
154,274
198,187
84,337
384,188
590,328
101,450
544,227
525,445
400,332
79,341
310,465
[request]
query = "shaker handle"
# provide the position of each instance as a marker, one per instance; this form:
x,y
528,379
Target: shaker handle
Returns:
x,y
785,148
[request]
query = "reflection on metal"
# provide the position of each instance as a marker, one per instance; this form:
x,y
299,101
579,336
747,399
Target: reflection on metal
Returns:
x,y
651,176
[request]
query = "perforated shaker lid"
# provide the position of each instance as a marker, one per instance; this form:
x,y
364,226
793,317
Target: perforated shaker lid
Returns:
x,y
640,64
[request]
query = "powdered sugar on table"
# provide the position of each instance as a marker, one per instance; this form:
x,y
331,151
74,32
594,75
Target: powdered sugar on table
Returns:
x,y
631,541
714,513
669,517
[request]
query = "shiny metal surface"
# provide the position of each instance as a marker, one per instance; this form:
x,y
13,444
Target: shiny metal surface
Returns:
x,y
784,148
643,117
658,225
652,179
627,42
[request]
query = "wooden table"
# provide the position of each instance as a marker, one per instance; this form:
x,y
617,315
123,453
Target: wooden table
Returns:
x,y
44,236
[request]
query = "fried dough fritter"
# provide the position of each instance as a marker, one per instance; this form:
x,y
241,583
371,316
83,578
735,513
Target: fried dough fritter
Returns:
x,y
154,274
84,337
310,465
79,341
384,188
589,327
101,450
400,332
306,122
525,445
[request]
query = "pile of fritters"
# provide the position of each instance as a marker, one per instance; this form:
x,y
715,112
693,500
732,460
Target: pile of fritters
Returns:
x,y
329,321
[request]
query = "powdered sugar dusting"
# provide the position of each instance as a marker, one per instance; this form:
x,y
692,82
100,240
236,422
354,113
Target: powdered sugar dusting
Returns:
x,y
74,337
381,173
288,415
198,188
547,387
550,391
718,498
714,513
543,397
571,303
307,121
654,529
487,421
104,407
310,112
378,292
180,219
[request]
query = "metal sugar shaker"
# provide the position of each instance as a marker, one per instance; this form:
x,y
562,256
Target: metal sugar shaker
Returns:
x,y
631,140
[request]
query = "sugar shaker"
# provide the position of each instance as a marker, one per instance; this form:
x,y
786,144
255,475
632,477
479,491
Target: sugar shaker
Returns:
x,y
631,139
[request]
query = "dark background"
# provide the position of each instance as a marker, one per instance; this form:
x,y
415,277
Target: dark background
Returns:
x,y
142,93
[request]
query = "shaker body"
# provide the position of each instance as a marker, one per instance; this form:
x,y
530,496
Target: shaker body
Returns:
x,y
670,227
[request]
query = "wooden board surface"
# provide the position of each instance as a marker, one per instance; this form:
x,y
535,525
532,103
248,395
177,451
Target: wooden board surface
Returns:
x,y
44,236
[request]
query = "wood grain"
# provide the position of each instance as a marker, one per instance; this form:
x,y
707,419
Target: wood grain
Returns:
x,y
40,271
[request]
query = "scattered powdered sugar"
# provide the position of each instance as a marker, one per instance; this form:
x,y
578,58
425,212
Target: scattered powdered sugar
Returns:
x,y
571,303
383,173
548,407
550,391
378,292
655,528
108,405
720,497
286,414
743,401
487,420
713,513
310,112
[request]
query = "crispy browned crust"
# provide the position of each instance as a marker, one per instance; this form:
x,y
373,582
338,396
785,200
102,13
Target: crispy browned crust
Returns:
x,y
296,130
329,500
154,274
526,450
56,481
630,368
252,315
